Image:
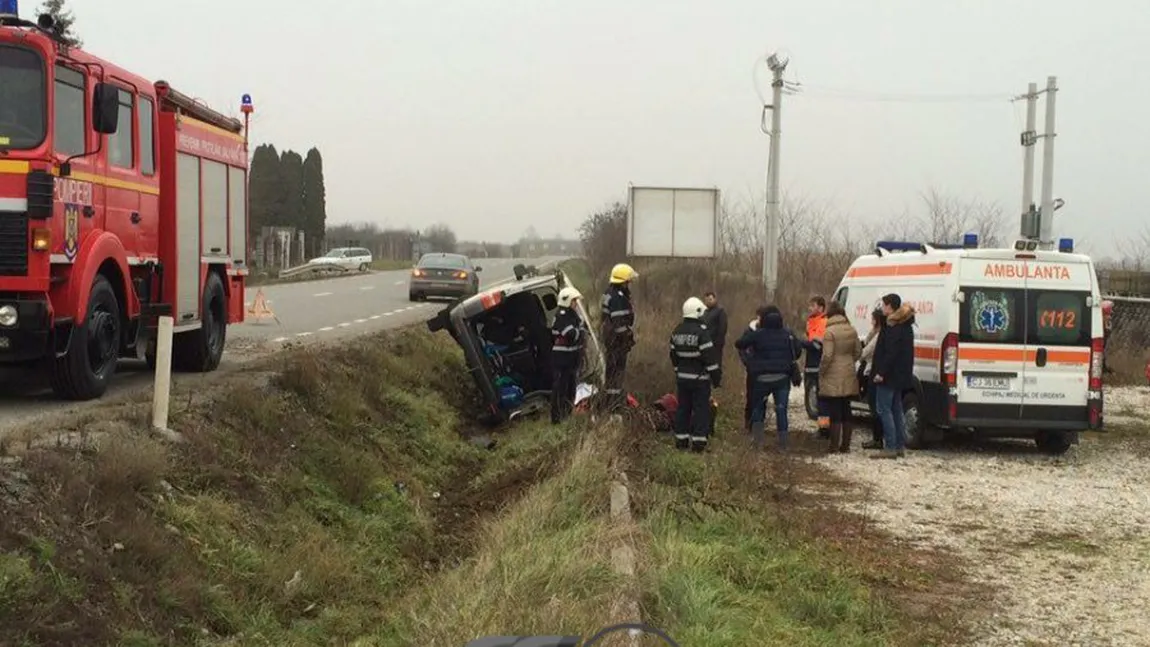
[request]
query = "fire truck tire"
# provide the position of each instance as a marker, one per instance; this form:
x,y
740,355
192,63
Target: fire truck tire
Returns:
x,y
200,350
83,372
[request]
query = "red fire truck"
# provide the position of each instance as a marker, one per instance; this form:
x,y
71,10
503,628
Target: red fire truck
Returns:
x,y
121,200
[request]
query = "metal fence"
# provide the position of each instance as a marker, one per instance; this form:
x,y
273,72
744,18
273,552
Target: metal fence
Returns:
x,y
1128,345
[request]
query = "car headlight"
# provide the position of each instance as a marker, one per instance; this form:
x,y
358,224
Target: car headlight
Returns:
x,y
8,316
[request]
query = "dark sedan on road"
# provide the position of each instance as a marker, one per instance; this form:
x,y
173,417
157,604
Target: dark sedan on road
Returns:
x,y
443,275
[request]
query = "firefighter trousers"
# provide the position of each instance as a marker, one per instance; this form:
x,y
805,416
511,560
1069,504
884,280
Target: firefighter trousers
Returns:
x,y
693,418
615,398
562,393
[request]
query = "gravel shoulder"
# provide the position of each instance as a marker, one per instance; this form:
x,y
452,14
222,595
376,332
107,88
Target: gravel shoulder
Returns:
x,y
1063,543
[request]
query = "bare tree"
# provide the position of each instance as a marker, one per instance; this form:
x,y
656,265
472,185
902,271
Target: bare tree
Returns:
x,y
949,217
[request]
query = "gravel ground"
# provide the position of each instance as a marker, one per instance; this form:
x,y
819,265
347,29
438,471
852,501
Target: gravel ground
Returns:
x,y
1064,542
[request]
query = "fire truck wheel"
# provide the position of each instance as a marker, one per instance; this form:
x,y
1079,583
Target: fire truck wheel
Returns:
x,y
200,350
83,373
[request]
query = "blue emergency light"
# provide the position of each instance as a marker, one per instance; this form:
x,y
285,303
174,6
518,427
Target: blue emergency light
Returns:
x,y
970,241
1066,245
898,246
9,9
246,105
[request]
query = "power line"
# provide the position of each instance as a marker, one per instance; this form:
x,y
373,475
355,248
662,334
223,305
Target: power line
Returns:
x,y
845,94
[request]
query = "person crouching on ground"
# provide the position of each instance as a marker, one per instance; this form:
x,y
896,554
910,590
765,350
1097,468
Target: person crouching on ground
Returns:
x,y
770,352
894,373
567,334
877,321
838,383
696,363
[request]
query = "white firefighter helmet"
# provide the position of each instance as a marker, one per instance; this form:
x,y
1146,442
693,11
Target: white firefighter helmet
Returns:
x,y
693,308
567,296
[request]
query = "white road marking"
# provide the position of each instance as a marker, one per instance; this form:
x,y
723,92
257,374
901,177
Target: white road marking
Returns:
x,y
344,325
327,329
361,321
367,287
322,294
302,334
374,317
388,314
279,340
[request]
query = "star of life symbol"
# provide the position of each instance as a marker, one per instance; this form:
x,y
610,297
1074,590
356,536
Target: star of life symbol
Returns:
x,y
993,317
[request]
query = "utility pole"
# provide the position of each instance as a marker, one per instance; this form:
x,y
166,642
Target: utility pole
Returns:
x,y
771,242
1029,139
1046,224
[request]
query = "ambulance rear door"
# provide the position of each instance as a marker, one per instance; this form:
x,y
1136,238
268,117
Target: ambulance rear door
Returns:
x,y
1059,331
991,370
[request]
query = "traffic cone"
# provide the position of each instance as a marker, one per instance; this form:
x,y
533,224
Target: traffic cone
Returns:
x,y
259,308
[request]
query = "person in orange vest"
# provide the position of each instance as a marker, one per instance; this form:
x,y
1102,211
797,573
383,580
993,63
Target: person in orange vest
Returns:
x,y
816,330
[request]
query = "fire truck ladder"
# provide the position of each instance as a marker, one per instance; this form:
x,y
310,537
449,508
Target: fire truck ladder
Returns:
x,y
180,103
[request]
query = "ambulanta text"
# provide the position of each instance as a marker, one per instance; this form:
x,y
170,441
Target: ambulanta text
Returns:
x,y
1027,271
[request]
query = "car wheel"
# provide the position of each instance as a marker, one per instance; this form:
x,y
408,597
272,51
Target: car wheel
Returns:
x,y
363,267
411,296
1053,442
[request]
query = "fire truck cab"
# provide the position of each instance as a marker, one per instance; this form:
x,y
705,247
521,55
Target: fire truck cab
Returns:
x,y
121,200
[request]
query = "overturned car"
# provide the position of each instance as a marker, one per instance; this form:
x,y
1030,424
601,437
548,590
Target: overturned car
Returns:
x,y
505,334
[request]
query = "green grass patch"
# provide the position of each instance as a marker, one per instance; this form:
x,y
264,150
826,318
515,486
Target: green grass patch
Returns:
x,y
734,554
306,502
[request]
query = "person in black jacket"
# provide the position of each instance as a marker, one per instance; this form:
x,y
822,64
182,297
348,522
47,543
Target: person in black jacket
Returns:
x,y
716,319
617,333
770,352
892,373
696,363
567,333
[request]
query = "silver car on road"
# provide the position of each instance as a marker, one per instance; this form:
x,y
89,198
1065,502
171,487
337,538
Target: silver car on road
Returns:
x,y
443,275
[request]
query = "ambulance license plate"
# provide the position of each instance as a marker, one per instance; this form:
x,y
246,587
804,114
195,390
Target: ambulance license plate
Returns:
x,y
988,383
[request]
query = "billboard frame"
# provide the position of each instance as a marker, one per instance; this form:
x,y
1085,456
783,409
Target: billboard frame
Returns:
x,y
716,196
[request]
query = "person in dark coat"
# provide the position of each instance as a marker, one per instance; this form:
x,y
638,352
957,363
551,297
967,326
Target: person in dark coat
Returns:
x,y
716,319
617,333
877,321
893,373
750,385
696,365
770,353
568,333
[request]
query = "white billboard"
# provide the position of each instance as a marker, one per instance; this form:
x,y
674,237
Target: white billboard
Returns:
x,y
673,222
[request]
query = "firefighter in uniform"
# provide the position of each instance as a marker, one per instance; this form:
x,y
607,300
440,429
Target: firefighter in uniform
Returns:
x,y
618,332
567,334
696,361
816,329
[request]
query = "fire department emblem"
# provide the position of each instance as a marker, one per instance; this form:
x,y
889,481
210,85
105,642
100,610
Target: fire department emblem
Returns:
x,y
71,230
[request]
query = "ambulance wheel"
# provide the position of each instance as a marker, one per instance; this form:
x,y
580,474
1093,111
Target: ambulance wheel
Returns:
x,y
918,431
83,372
1053,442
200,350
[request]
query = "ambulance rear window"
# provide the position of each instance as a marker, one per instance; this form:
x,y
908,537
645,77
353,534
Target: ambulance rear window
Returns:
x,y
1014,316
993,316
1061,318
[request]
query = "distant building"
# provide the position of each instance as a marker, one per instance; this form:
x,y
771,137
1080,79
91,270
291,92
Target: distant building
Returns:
x,y
548,247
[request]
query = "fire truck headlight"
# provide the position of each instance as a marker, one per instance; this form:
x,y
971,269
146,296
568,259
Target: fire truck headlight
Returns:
x,y
8,316
41,239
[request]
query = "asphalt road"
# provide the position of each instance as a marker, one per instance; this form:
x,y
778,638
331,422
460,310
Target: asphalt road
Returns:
x,y
304,313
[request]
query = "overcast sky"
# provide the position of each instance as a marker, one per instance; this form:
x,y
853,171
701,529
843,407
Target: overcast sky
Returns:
x,y
491,116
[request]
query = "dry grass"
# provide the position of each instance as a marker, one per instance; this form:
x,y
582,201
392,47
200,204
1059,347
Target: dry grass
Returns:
x,y
299,510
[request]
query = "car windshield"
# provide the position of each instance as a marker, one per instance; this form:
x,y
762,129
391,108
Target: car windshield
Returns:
x,y
22,98
335,253
443,260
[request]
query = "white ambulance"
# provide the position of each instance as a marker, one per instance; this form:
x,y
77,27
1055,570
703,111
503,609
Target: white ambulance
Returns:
x,y
1008,342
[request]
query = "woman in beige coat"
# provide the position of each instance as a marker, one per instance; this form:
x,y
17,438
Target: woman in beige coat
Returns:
x,y
838,381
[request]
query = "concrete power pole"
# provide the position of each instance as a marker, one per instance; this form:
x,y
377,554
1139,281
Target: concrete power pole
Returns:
x,y
1046,224
1029,138
771,242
